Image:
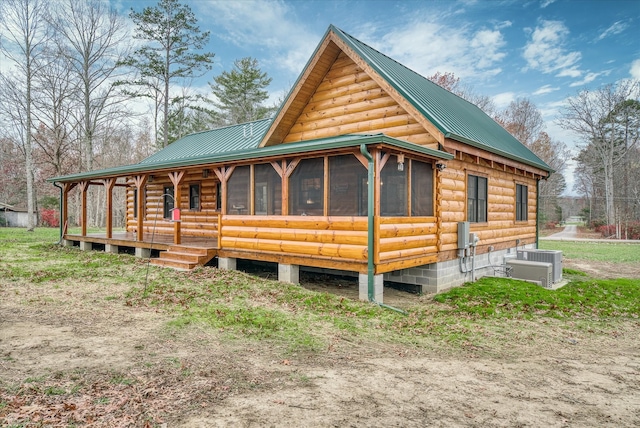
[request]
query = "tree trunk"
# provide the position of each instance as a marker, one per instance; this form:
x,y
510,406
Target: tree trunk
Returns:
x,y
28,135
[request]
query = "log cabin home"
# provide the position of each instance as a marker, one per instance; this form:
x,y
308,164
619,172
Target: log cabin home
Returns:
x,y
368,168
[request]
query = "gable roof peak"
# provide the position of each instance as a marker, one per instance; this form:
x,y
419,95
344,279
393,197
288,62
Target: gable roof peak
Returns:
x,y
455,117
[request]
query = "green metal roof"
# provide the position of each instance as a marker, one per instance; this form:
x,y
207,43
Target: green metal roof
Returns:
x,y
455,117
221,140
331,143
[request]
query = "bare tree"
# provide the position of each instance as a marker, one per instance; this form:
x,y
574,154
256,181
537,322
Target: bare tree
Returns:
x,y
55,110
607,121
93,37
523,120
23,22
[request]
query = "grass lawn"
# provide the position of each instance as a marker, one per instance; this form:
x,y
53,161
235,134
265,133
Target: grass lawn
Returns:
x,y
597,251
245,306
89,338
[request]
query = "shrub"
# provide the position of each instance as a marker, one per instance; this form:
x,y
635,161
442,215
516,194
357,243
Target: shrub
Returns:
x,y
50,217
632,230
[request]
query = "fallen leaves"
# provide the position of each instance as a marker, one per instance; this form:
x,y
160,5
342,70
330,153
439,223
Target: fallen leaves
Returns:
x,y
99,402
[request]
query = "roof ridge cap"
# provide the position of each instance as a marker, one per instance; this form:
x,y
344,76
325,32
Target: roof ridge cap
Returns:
x,y
227,126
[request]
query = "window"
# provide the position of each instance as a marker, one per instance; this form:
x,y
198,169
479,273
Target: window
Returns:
x,y
135,203
194,197
347,186
268,190
306,188
219,196
167,201
393,190
477,199
522,205
238,190
421,189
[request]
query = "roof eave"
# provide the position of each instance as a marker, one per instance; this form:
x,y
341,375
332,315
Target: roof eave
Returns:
x,y
252,154
499,152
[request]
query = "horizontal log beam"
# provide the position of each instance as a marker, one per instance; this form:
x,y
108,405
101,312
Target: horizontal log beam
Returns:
x,y
406,263
353,252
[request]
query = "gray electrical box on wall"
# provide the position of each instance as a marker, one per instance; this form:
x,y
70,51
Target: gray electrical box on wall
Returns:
x,y
463,235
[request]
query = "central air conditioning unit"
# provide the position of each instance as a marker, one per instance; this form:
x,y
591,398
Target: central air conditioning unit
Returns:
x,y
548,256
540,272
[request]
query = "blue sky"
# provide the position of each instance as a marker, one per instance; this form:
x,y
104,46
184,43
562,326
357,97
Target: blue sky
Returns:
x,y
543,50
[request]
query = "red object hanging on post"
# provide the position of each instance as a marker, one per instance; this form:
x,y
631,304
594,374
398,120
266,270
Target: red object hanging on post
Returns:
x,y
175,214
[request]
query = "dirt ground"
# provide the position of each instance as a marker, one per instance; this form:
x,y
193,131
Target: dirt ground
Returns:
x,y
132,370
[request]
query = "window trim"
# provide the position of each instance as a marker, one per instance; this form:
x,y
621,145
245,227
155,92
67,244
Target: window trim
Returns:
x,y
486,200
135,202
167,204
199,186
521,207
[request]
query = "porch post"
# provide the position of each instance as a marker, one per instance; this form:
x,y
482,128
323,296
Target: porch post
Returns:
x,y
223,174
140,181
84,185
285,189
176,179
108,187
64,215
287,170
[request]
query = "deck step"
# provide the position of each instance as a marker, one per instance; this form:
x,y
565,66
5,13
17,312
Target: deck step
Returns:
x,y
183,257
201,251
175,264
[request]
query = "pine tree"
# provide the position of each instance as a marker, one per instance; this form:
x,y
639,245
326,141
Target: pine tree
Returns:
x,y
240,92
170,56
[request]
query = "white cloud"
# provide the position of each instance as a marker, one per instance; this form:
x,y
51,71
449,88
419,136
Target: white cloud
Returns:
x,y
504,99
546,89
269,25
635,69
546,3
551,110
588,78
431,46
546,50
615,28
569,72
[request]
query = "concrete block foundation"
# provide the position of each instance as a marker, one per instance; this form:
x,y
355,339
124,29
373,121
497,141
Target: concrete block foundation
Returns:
x,y
441,276
113,249
143,253
289,273
363,287
86,246
227,263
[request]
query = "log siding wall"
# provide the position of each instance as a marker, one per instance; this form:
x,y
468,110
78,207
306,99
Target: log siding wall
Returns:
x,y
202,222
501,229
329,242
348,101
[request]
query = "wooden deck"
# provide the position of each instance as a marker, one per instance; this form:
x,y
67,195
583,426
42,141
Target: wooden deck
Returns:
x,y
156,242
